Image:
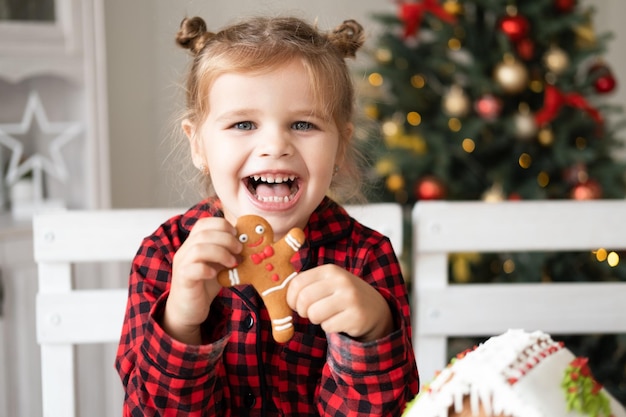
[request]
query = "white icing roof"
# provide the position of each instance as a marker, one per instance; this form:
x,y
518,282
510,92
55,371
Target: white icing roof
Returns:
x,y
517,374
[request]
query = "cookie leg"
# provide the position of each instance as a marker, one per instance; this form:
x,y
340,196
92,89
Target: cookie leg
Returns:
x,y
280,314
282,329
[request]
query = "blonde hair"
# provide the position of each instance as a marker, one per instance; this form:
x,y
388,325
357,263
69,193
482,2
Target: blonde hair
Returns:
x,y
261,44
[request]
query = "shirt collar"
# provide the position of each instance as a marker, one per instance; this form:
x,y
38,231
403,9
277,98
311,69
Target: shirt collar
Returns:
x,y
329,222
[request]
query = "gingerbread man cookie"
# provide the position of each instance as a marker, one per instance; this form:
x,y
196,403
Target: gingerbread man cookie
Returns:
x,y
267,267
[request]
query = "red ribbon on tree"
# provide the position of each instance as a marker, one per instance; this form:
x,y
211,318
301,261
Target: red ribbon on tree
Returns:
x,y
412,13
554,99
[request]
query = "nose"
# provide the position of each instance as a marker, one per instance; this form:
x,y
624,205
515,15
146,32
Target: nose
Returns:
x,y
275,143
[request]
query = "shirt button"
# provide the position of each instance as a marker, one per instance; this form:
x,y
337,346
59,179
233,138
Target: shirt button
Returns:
x,y
249,322
249,399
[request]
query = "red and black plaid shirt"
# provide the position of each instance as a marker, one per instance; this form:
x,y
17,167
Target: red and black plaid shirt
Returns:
x,y
241,371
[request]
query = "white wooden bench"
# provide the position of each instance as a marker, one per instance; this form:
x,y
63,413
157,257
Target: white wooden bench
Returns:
x,y
442,310
67,317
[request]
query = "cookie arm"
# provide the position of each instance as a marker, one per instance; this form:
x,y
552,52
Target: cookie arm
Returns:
x,y
229,278
294,239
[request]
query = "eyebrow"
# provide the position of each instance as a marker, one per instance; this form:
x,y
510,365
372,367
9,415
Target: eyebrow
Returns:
x,y
236,114
249,112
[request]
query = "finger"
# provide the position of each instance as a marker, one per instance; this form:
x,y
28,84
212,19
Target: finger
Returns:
x,y
304,279
190,274
310,291
213,223
211,253
324,309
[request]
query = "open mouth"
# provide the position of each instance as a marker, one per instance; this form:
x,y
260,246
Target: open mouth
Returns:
x,y
273,188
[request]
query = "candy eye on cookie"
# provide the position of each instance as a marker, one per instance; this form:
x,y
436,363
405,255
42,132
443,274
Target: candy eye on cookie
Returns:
x,y
273,188
259,229
243,238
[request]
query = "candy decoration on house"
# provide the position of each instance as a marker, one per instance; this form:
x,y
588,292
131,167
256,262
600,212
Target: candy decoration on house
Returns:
x,y
515,374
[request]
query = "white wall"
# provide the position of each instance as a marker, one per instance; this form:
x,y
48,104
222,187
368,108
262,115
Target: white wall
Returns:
x,y
144,67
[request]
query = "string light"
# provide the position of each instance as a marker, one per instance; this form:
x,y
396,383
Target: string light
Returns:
x,y
508,266
395,182
454,124
468,145
543,179
375,79
390,128
414,118
371,111
383,55
536,86
525,160
418,81
454,44
612,259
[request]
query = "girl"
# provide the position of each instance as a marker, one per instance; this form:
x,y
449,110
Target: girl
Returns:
x,y
269,109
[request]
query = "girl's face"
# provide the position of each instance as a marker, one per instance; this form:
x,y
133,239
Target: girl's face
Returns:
x,y
268,149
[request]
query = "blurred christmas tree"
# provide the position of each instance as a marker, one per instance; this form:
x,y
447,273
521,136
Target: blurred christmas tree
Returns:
x,y
500,100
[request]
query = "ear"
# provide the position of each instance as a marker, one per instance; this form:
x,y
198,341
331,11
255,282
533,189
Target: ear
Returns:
x,y
345,139
195,144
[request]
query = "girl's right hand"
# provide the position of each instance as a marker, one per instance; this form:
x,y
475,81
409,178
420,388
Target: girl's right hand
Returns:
x,y
210,247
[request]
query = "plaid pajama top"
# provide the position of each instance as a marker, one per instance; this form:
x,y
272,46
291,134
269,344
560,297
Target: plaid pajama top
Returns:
x,y
240,370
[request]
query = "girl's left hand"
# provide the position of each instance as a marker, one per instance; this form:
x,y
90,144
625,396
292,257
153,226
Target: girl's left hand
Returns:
x,y
339,301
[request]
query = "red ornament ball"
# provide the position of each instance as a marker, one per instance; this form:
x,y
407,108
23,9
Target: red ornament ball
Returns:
x,y
525,49
488,107
430,188
605,81
564,6
589,190
516,27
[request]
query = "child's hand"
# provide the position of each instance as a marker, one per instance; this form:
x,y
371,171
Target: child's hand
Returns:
x,y
340,302
210,247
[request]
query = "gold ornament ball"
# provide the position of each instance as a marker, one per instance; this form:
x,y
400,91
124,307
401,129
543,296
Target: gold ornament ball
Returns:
x,y
511,75
525,126
455,102
556,60
585,35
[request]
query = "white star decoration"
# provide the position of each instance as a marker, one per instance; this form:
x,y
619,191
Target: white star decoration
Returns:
x,y
53,165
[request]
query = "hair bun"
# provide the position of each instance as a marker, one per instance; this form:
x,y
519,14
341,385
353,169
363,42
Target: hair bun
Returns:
x,y
193,34
348,37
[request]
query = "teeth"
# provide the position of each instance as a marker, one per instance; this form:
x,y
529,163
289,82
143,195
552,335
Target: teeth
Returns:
x,y
285,199
273,180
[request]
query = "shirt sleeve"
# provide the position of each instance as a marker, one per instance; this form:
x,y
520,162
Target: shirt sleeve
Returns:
x,y
162,376
377,377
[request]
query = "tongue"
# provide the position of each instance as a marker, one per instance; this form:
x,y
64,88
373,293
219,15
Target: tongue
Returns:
x,y
273,190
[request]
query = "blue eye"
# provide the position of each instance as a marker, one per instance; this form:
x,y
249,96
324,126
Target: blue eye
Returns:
x,y
301,125
244,125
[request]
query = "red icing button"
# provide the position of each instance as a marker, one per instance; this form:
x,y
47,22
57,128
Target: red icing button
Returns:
x,y
275,277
